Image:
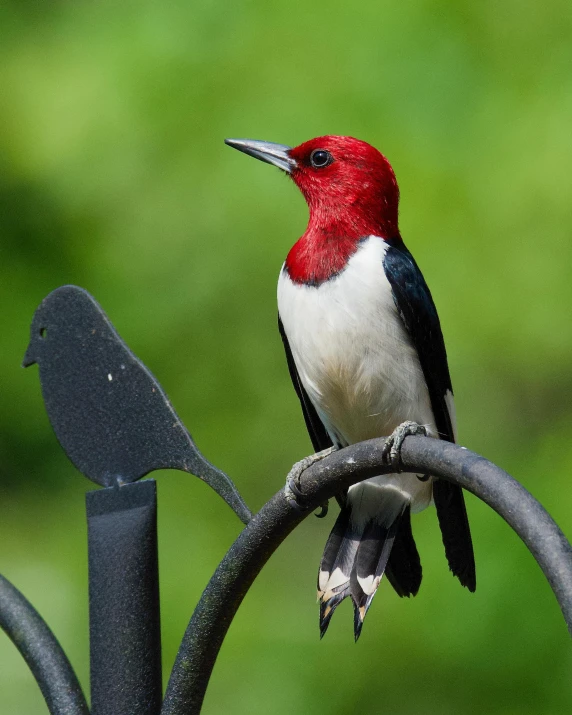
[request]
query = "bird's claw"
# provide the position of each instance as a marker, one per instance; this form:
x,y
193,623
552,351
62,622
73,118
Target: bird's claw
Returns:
x,y
391,453
292,492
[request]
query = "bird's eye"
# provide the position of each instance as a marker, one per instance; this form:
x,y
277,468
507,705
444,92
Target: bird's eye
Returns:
x,y
320,158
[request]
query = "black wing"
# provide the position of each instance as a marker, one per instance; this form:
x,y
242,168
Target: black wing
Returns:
x,y
415,306
318,434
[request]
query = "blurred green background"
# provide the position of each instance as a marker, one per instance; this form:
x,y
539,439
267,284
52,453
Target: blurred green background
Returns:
x,y
114,176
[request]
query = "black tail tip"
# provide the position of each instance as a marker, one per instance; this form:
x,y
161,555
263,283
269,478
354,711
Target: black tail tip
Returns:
x,y
358,623
471,584
326,613
327,609
468,579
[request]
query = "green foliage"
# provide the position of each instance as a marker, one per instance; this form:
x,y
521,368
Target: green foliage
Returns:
x,y
113,176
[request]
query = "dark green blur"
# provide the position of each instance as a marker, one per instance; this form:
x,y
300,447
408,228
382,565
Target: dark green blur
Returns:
x,y
114,176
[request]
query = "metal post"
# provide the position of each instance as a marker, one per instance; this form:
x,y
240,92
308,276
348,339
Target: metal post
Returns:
x,y
125,636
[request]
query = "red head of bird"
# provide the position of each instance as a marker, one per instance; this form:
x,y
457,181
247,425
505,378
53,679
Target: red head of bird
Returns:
x,y
350,189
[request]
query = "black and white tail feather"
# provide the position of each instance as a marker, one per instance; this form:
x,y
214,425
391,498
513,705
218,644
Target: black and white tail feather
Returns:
x,y
354,561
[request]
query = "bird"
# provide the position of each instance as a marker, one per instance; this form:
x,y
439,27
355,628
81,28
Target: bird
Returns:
x,y
367,359
109,413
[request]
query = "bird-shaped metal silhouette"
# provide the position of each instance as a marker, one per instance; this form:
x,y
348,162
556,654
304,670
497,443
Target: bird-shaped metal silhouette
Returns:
x,y
109,413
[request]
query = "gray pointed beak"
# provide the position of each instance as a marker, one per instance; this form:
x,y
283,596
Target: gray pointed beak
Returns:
x,y
28,359
276,154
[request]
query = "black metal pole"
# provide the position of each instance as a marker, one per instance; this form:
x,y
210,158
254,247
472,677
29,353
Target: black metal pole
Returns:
x,y
41,651
125,636
277,518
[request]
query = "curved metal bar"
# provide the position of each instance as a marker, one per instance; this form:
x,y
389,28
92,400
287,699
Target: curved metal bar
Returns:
x,y
260,538
41,651
512,501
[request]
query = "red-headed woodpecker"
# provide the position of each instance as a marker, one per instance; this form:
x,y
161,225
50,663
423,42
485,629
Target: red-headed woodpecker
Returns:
x,y
367,358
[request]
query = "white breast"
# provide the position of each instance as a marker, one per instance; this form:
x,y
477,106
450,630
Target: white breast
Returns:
x,y
353,354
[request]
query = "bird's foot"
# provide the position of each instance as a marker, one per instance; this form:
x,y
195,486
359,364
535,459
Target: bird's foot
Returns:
x,y
292,489
392,449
